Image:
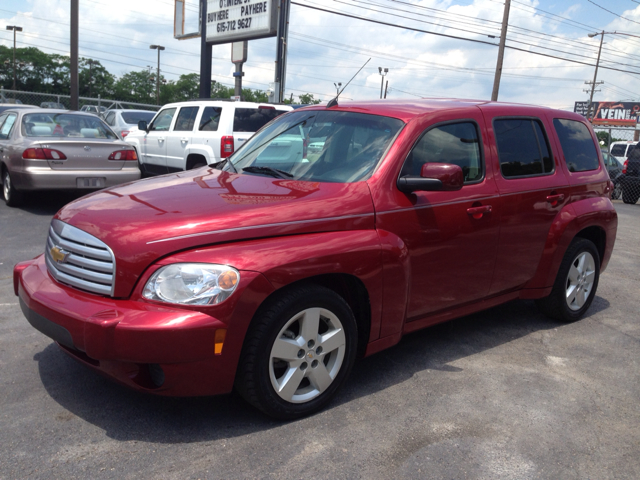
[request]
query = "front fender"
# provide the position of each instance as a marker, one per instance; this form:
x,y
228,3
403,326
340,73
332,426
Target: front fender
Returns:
x,y
575,217
286,260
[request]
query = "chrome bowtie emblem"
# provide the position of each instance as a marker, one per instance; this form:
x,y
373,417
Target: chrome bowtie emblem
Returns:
x,y
58,254
87,148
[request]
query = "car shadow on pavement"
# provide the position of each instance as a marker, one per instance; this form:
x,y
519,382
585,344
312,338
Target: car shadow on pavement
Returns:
x,y
48,202
128,415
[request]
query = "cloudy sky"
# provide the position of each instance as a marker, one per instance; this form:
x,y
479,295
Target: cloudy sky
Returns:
x,y
326,48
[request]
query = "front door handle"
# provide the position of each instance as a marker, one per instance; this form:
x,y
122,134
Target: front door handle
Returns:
x,y
160,139
478,212
184,139
555,199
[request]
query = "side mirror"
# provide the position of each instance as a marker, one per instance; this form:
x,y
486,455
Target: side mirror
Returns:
x,y
434,177
142,125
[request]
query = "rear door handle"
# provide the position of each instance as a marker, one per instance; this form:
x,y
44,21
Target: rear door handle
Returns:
x,y
184,139
555,199
478,212
160,139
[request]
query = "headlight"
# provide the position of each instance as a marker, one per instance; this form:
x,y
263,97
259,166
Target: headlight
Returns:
x,y
192,283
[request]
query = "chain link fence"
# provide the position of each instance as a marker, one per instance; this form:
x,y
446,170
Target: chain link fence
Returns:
x,y
48,100
624,169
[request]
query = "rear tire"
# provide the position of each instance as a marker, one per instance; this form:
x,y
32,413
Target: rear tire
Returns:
x,y
297,353
11,196
576,283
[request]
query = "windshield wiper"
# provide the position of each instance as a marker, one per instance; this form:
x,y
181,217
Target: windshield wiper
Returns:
x,y
274,172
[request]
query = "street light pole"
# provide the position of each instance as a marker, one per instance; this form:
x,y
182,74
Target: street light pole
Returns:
x,y
595,75
90,62
15,29
337,85
157,47
382,72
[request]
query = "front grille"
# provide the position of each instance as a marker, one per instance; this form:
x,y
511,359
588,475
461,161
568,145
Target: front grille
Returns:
x,y
88,263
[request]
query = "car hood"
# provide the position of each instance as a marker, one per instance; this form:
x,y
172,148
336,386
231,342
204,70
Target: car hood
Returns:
x,y
145,220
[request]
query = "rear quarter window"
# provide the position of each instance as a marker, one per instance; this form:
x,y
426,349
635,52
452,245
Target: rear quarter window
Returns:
x,y
578,147
253,119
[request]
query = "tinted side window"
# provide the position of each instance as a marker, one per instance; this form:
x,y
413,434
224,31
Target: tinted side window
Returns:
x,y
523,148
579,150
111,118
210,119
253,119
186,119
163,121
618,150
456,144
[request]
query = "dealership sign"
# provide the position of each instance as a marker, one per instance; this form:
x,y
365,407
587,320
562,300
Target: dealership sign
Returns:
x,y
615,114
236,20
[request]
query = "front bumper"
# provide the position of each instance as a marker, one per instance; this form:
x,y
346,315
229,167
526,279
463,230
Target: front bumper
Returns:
x,y
131,341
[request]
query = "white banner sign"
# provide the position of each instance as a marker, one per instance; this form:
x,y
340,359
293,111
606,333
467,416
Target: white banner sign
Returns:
x,y
235,20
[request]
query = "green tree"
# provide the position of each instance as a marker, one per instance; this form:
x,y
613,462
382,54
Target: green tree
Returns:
x,y
103,81
139,87
307,99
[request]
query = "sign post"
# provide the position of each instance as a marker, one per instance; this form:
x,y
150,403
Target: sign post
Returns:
x,y
238,56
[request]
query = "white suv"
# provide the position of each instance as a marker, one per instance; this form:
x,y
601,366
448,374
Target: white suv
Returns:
x,y
196,133
621,150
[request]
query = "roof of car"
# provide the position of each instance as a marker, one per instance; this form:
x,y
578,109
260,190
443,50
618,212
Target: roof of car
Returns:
x,y
208,101
407,109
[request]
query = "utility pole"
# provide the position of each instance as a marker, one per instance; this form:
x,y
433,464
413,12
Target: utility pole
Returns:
x,y
595,74
503,41
159,48
73,64
205,54
15,29
281,50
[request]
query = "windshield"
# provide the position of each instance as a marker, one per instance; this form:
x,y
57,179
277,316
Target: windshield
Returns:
x,y
65,125
320,145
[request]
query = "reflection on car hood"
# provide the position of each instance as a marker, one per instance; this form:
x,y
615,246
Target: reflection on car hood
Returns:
x,y
145,220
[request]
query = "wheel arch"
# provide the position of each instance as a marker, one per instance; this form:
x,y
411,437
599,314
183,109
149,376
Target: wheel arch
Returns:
x,y
347,286
195,158
594,219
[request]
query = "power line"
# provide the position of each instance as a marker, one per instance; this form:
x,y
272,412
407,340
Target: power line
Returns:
x,y
452,36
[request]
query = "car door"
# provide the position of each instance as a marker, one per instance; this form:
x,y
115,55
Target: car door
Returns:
x,y
154,148
451,236
180,137
533,190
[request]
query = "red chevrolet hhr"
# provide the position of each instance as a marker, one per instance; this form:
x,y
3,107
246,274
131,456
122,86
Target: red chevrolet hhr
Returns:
x,y
331,233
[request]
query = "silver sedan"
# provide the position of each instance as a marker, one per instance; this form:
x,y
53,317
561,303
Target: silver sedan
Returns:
x,y
45,149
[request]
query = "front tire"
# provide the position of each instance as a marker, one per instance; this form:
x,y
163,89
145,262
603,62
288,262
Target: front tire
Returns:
x,y
11,196
298,352
576,283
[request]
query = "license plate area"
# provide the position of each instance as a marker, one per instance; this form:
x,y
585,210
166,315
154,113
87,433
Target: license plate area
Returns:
x,y
90,182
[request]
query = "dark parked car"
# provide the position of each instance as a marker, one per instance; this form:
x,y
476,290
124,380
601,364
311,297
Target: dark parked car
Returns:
x,y
631,177
275,270
614,168
60,150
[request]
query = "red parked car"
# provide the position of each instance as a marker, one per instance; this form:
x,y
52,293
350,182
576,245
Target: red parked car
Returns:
x,y
275,270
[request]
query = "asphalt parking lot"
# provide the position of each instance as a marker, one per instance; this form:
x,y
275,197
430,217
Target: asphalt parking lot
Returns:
x,y
503,394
